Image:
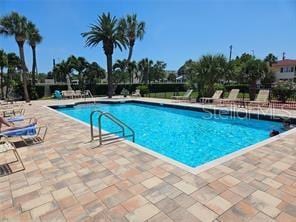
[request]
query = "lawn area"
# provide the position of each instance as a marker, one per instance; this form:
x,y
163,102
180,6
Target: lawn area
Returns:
x,y
168,95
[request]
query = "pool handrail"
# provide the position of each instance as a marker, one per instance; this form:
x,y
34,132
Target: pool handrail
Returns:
x,y
114,119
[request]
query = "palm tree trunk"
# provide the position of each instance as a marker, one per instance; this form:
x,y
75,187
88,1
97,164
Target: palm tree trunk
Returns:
x,y
1,83
34,66
130,53
252,90
68,82
109,71
24,70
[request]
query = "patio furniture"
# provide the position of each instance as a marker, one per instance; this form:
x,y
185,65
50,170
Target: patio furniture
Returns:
x,y
186,96
232,97
12,112
217,95
137,93
78,93
57,94
261,99
30,134
6,146
68,94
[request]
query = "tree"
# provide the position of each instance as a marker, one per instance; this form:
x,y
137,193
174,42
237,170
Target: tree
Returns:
x,y
63,70
78,64
145,67
120,73
186,70
14,64
34,38
132,70
172,77
271,59
158,71
132,29
93,72
15,25
3,64
108,32
207,71
254,70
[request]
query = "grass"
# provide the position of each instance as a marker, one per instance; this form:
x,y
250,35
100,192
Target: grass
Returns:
x,y
168,95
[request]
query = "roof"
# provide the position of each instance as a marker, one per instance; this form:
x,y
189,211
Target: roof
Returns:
x,y
286,62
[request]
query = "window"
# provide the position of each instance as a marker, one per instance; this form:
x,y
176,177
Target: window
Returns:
x,y
292,69
282,69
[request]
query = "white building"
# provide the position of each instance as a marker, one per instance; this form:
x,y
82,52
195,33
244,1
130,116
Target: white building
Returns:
x,y
285,69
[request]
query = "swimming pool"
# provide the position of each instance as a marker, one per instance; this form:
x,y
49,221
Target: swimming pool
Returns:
x,y
187,136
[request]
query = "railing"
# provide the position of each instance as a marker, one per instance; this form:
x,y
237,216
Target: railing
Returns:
x,y
115,120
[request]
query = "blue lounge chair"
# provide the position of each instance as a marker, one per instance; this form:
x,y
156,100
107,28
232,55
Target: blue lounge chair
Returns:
x,y
15,119
57,94
30,134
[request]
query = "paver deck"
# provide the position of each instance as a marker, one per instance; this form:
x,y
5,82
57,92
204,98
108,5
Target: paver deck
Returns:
x,y
66,180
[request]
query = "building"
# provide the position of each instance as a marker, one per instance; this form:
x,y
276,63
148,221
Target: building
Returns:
x,y
285,69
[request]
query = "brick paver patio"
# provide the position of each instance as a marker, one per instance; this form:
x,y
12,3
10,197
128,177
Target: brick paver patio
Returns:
x,y
66,180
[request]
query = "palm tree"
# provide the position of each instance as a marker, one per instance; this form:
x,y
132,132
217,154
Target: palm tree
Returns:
x,y
3,64
79,64
132,70
132,29
254,70
63,69
107,31
34,38
16,25
145,67
120,73
271,59
207,71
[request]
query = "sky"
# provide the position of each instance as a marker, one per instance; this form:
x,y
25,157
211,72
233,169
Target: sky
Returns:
x,y
176,30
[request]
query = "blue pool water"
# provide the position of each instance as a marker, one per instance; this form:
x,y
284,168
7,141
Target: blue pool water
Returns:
x,y
189,137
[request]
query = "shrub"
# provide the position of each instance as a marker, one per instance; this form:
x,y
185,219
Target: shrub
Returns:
x,y
283,90
219,86
143,90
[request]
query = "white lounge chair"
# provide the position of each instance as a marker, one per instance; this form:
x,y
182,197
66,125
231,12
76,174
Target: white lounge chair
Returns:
x,y
137,93
262,98
217,95
186,96
68,94
232,97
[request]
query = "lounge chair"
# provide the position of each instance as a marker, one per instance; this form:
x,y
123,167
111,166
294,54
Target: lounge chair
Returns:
x,y
12,112
137,93
30,134
217,95
68,94
232,97
6,146
261,99
186,96
78,93
57,94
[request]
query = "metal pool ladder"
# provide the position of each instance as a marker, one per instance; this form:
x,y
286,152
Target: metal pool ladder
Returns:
x,y
104,137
